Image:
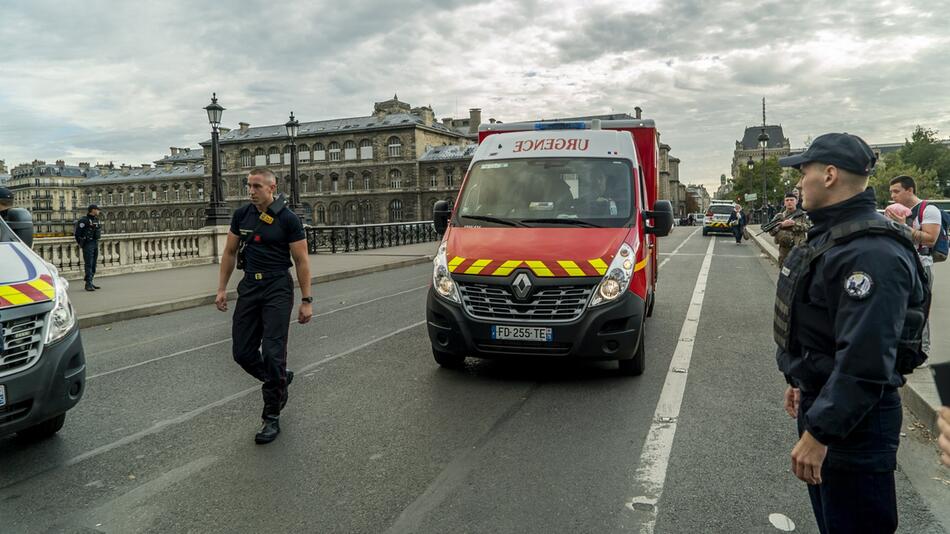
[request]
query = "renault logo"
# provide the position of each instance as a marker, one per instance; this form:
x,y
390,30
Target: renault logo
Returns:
x,y
521,286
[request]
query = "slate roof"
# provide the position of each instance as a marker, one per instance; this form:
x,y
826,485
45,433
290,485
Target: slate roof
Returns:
x,y
353,124
178,172
751,138
53,170
448,152
192,155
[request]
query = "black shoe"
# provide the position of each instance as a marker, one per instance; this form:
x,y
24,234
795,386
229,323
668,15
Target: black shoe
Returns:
x,y
90,287
95,286
270,427
290,378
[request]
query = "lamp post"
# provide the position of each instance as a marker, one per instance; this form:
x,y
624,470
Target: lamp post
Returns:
x,y
217,208
293,126
763,142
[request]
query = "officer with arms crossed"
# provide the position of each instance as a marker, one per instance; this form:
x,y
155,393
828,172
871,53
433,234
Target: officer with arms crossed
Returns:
x,y
849,311
263,237
88,233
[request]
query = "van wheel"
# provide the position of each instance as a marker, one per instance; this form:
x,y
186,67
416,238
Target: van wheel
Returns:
x,y
448,360
634,366
45,429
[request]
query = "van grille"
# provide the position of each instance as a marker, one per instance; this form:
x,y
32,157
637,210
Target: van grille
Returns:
x,y
21,343
547,303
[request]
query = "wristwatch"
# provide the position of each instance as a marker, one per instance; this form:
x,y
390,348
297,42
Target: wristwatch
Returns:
x,y
308,300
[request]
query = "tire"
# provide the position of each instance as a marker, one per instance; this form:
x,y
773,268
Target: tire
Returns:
x,y
43,430
634,366
448,360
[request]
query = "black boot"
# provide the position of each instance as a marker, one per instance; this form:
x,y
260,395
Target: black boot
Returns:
x,y
290,378
269,429
95,286
90,287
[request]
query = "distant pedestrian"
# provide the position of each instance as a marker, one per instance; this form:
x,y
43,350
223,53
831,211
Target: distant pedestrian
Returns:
x,y
88,233
264,235
849,310
793,230
925,227
737,221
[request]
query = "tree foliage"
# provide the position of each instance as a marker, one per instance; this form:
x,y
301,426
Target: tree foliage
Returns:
x,y
923,158
750,181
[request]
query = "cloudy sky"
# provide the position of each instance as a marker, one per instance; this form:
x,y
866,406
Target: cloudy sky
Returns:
x,y
101,80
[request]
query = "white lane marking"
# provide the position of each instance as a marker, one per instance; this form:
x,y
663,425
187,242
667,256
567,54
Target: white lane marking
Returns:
x,y
677,249
213,343
655,456
161,425
782,522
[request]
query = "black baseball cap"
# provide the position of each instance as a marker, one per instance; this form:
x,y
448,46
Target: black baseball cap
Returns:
x,y
5,194
92,207
843,150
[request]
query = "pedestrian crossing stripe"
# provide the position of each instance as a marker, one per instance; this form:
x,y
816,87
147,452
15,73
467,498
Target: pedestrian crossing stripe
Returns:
x,y
38,290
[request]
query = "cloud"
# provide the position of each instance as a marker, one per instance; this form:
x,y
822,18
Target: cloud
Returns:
x,y
123,81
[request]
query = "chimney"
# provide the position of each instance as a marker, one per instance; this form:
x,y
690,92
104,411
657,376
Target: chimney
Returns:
x,y
474,120
173,150
447,122
638,111
491,121
222,130
60,163
84,165
146,166
244,126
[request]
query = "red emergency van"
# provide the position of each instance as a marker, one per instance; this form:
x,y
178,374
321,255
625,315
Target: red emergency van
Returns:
x,y
550,249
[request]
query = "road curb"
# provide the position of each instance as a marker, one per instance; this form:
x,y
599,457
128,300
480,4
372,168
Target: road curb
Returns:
x,y
156,308
911,394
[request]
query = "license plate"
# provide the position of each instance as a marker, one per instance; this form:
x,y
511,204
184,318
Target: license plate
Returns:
x,y
3,395
522,333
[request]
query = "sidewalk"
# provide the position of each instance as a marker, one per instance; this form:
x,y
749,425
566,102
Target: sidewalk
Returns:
x,y
920,393
128,296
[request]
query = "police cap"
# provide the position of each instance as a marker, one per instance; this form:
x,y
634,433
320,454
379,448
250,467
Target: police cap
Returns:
x,y
92,207
5,194
843,150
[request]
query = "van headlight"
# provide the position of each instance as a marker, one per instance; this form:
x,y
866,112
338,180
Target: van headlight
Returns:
x,y
617,279
441,278
63,318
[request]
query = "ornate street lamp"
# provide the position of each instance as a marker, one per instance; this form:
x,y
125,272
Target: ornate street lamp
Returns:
x,y
218,213
293,126
750,163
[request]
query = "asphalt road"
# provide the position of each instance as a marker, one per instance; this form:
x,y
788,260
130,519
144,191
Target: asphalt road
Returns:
x,y
377,438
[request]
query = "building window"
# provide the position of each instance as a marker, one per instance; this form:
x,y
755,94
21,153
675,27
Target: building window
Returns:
x,y
395,179
350,181
273,156
367,182
246,159
449,177
164,195
287,155
366,149
260,158
303,153
201,193
433,178
178,195
395,211
349,150
395,147
318,184
303,183
188,193
334,183
336,214
318,153
334,151
99,198
321,215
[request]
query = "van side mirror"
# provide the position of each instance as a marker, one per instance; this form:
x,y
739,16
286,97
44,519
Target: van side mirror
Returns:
x,y
21,222
440,216
662,216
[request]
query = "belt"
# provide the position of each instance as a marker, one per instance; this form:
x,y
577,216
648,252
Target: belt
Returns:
x,y
265,276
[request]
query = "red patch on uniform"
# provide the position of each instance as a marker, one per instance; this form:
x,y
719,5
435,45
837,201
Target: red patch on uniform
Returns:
x,y
257,239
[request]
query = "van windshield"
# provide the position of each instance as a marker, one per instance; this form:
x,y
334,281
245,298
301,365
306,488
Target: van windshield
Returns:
x,y
6,234
550,192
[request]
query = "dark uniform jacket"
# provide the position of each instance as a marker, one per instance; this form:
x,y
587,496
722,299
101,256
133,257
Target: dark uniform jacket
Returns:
x,y
847,322
268,248
88,228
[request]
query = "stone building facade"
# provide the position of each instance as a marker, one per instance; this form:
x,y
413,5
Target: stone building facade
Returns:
x,y
778,146
359,170
51,193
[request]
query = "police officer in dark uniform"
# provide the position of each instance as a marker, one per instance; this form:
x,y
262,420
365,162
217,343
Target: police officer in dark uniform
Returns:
x,y
88,233
849,311
264,235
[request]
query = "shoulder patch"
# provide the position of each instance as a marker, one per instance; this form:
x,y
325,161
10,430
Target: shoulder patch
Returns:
x,y
859,285
83,225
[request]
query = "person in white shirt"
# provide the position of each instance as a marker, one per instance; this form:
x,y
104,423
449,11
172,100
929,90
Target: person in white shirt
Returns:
x,y
925,230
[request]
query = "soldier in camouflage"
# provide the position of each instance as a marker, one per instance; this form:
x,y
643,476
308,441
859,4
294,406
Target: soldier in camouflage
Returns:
x,y
792,231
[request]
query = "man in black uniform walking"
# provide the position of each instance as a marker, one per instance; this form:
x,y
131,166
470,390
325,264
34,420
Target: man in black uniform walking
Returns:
x,y
849,311
88,232
263,237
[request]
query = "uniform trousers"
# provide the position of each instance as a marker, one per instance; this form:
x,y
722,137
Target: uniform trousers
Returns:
x,y
90,256
259,334
857,492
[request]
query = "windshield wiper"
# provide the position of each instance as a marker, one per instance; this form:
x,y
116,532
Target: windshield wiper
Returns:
x,y
489,218
574,222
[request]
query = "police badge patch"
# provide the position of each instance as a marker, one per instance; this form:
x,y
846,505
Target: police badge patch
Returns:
x,y
858,286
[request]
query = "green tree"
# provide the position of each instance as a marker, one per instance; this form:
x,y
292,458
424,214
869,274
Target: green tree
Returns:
x,y
925,152
750,181
892,165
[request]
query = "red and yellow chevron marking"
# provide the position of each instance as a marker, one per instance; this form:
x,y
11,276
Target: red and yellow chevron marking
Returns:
x,y
548,269
38,290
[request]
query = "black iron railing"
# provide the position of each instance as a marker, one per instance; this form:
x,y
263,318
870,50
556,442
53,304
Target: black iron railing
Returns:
x,y
335,239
